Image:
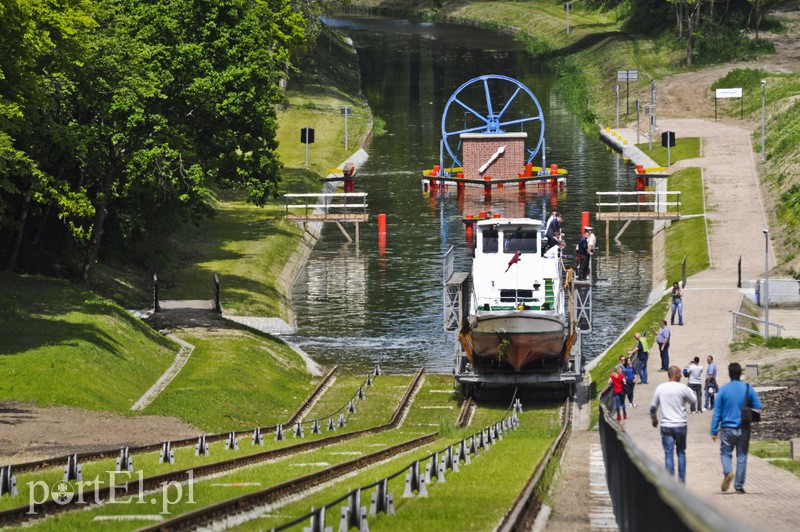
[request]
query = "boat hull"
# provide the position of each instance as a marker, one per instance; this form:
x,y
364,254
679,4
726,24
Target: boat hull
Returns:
x,y
527,339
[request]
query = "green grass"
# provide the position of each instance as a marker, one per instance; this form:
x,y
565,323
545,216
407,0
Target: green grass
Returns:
x,y
690,183
235,379
685,148
779,450
65,346
686,238
490,483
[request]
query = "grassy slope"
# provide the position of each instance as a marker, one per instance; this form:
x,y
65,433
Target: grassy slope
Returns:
x,y
65,346
235,379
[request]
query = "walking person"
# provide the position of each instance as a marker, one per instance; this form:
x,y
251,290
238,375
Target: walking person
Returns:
x,y
672,397
630,380
663,339
711,383
677,304
640,353
695,373
617,380
733,432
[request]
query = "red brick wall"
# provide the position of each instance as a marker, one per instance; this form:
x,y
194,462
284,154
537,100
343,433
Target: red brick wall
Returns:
x,y
477,150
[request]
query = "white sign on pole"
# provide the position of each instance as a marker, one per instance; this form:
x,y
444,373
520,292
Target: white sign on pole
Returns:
x,y
729,93
627,75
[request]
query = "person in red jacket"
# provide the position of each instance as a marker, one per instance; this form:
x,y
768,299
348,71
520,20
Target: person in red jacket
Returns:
x,y
617,380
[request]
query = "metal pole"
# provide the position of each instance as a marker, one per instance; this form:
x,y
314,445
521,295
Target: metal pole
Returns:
x,y
567,6
637,122
617,89
306,147
653,93
345,128
627,95
763,93
766,284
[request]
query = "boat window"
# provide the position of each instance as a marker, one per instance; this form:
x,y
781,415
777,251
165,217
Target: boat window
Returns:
x,y
524,242
490,242
510,296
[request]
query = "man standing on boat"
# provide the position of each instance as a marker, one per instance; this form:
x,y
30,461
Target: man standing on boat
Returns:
x,y
553,230
583,258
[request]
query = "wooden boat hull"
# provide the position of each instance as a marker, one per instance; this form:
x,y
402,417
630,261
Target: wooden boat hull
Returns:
x,y
527,338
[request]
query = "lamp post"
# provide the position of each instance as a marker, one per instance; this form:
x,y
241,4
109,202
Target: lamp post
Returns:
x,y
766,284
346,111
763,93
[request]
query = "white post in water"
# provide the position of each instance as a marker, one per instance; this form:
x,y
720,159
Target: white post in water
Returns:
x,y
766,284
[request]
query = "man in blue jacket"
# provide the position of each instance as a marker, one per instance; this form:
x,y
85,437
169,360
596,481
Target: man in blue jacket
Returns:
x,y
727,421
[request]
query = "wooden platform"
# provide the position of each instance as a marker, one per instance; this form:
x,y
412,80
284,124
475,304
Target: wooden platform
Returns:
x,y
328,217
645,215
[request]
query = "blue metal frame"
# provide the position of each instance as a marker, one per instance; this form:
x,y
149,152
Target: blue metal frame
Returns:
x,y
493,122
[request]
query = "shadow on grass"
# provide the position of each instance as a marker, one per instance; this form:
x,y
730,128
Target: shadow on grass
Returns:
x,y
36,333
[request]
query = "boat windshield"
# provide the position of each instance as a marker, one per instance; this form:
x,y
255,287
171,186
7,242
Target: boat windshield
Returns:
x,y
522,241
490,241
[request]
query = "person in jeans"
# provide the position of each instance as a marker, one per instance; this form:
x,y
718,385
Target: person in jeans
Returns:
x,y
695,373
727,422
630,380
617,380
677,304
662,339
672,397
640,354
711,383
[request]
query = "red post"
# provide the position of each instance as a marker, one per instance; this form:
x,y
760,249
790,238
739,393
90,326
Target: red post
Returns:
x,y
553,169
584,222
381,224
487,188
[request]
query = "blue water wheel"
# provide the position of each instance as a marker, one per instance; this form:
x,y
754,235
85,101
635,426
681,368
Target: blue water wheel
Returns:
x,y
492,104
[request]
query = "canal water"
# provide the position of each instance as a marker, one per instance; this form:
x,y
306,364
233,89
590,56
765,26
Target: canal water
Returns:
x,y
358,305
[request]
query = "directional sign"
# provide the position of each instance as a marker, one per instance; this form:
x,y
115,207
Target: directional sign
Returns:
x,y
346,110
627,75
729,93
307,135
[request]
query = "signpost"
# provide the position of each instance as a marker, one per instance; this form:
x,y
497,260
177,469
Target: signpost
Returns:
x,y
346,111
627,76
729,93
307,137
668,141
567,8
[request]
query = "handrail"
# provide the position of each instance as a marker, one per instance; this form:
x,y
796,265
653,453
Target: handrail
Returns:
x,y
332,195
737,327
661,502
628,193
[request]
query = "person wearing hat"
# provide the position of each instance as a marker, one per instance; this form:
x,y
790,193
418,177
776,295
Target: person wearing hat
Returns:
x,y
590,238
583,257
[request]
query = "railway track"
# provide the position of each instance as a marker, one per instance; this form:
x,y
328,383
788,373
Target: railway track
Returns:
x,y
21,514
465,416
59,461
208,515
526,507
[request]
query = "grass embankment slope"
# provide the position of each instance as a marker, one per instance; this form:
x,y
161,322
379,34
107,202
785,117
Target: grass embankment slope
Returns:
x,y
65,346
68,347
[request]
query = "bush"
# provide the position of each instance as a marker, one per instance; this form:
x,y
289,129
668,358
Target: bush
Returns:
x,y
728,43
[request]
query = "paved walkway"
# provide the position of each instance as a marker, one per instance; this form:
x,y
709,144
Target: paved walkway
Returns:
x,y
736,220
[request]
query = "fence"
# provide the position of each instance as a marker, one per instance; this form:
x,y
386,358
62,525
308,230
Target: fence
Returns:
x,y
644,495
737,327
657,207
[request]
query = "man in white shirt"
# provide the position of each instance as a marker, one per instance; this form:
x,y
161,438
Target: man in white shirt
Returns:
x,y
695,374
672,397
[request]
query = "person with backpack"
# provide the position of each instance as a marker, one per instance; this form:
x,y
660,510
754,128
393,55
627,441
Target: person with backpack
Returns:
x,y
733,413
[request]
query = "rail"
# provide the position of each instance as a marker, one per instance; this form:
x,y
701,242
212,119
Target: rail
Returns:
x,y
644,495
59,461
525,509
737,327
327,202
17,515
656,209
451,456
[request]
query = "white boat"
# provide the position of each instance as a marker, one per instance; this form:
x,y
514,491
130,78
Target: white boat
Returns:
x,y
517,310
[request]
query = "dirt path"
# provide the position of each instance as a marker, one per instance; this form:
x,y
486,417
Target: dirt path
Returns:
x,y
689,96
31,433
